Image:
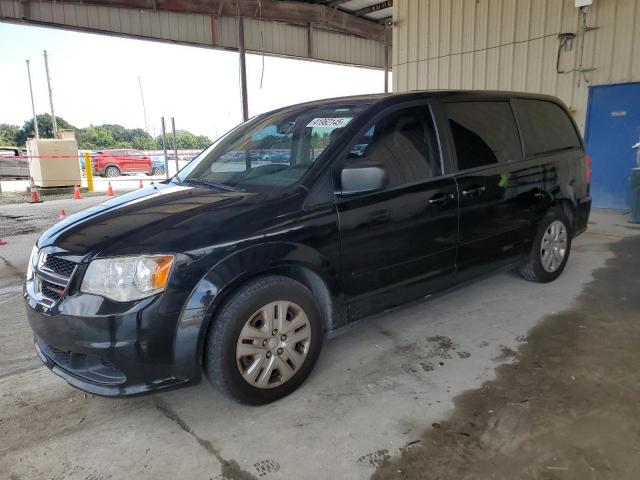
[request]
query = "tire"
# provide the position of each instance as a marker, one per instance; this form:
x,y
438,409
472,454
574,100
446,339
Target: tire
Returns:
x,y
157,171
112,172
535,269
241,313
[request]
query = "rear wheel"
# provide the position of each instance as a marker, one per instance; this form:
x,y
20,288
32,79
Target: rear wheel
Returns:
x,y
264,341
112,172
550,250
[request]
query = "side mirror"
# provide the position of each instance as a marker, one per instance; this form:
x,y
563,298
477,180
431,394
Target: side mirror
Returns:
x,y
362,177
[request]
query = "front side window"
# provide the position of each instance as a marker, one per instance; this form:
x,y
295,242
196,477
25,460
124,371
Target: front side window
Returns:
x,y
484,133
405,143
272,151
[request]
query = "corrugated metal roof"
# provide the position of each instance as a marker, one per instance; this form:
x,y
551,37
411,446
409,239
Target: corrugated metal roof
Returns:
x,y
333,31
374,10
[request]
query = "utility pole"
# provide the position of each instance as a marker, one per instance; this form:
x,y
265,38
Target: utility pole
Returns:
x,y
54,123
144,108
33,105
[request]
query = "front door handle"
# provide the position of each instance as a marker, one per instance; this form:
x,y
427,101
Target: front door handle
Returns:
x,y
441,199
474,191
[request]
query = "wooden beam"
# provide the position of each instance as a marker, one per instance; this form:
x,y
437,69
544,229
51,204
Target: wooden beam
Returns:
x,y
272,10
335,3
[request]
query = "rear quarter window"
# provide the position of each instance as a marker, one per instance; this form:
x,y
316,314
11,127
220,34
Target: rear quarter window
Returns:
x,y
545,126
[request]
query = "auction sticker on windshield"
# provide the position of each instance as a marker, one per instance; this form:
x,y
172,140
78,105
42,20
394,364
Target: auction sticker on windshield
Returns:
x,y
329,122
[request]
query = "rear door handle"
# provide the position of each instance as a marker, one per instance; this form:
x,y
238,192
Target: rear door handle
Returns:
x,y
440,199
379,216
474,191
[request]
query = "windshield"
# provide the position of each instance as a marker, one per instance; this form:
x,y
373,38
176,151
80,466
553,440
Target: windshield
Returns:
x,y
271,151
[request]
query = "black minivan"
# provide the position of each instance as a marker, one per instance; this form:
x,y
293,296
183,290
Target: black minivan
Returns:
x,y
295,223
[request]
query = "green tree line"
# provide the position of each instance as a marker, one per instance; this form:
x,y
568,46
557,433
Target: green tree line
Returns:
x,y
98,137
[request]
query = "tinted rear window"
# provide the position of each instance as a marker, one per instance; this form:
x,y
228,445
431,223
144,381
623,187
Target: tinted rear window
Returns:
x,y
545,126
484,133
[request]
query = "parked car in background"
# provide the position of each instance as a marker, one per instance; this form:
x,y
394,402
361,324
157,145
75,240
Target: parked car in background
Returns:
x,y
237,267
157,165
113,163
11,163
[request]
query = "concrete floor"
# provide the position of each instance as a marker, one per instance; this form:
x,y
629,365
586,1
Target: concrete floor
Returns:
x,y
379,385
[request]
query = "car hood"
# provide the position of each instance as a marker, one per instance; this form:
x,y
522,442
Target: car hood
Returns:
x,y
157,219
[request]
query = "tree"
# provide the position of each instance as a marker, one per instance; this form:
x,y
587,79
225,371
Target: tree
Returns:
x,y
95,138
100,137
8,134
185,140
45,128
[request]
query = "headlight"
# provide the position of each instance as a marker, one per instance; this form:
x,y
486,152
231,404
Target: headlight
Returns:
x,y
33,259
127,278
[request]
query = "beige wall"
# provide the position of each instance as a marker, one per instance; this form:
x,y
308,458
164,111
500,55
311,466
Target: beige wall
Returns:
x,y
512,45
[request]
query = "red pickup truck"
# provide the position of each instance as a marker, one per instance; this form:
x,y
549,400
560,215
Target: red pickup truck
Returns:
x,y
113,163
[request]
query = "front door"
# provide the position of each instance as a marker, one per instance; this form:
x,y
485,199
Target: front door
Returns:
x,y
399,243
498,190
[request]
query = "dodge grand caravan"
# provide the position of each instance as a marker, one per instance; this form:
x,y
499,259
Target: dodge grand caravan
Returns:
x,y
239,265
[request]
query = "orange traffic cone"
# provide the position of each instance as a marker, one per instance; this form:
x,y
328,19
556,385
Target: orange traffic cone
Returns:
x,y
2,242
33,190
140,186
110,192
63,214
76,193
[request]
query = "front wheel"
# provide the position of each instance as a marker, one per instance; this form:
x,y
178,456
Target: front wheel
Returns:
x,y
550,250
112,172
264,341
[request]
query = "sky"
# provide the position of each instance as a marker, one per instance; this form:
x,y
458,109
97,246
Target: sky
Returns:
x,y
95,80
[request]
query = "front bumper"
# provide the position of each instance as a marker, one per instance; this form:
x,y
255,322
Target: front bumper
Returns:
x,y
108,348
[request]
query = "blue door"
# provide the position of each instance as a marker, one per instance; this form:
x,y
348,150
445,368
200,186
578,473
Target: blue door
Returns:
x,y
613,127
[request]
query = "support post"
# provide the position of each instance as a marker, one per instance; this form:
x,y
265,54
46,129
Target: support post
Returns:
x,y
310,40
164,147
243,70
88,171
54,123
386,61
33,105
175,143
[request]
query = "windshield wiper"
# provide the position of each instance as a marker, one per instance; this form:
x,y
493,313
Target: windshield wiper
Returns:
x,y
206,183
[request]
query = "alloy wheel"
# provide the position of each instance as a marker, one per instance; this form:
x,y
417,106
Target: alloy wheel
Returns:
x,y
554,246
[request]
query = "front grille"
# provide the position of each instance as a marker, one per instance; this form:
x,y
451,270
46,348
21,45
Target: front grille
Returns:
x,y
51,290
59,265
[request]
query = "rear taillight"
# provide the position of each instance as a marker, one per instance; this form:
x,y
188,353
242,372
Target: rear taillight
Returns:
x,y
587,162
